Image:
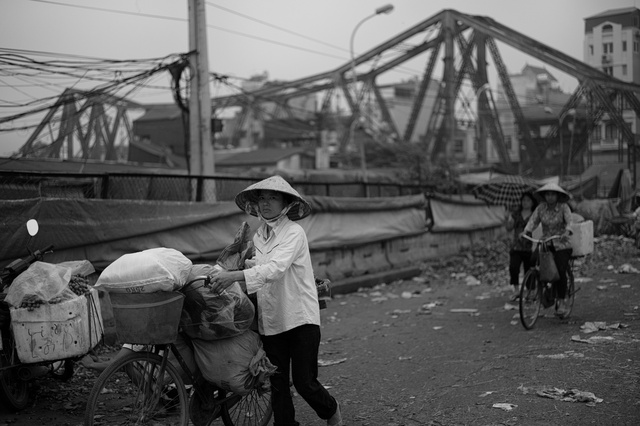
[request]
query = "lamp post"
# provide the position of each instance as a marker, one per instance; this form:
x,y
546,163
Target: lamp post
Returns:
x,y
388,8
571,112
480,147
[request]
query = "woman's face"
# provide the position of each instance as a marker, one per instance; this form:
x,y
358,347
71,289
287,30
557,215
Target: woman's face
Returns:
x,y
551,197
527,203
270,203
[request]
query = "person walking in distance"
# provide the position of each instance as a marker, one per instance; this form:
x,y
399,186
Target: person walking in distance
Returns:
x,y
520,250
281,275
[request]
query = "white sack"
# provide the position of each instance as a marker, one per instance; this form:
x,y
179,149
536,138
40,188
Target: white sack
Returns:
x,y
147,271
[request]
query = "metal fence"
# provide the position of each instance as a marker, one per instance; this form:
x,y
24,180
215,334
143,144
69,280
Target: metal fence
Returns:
x,y
168,187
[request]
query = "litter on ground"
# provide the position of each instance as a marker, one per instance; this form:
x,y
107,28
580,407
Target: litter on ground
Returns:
x,y
593,326
504,406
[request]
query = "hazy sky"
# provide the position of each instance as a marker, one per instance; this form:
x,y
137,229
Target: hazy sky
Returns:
x,y
289,39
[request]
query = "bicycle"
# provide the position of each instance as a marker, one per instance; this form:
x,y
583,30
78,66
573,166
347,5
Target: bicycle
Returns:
x,y
144,388
534,293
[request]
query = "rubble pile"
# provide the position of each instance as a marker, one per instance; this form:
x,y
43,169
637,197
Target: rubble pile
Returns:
x,y
488,262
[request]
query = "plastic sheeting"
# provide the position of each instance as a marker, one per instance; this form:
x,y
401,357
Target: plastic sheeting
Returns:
x,y
463,213
338,222
103,230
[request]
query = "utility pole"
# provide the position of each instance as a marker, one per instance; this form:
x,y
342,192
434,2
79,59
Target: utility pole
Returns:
x,y
201,161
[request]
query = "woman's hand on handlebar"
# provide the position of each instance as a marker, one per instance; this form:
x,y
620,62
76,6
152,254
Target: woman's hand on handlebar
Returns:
x,y
221,280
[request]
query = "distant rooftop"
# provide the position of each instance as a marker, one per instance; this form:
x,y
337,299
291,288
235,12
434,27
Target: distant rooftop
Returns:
x,y
614,12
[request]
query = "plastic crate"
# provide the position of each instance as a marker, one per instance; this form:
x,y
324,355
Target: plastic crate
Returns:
x,y
147,318
59,331
582,238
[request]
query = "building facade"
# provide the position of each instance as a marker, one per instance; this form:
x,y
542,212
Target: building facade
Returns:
x,y
612,44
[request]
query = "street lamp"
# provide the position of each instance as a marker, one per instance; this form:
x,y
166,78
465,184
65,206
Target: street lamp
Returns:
x,y
479,146
571,112
388,8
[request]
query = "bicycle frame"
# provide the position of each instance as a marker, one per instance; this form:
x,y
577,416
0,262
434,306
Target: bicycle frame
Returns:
x,y
532,289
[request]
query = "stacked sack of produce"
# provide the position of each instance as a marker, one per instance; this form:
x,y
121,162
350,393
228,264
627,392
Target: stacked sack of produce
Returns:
x,y
145,292
227,352
47,298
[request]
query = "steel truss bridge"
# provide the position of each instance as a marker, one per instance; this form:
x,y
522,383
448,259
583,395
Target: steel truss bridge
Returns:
x,y
466,45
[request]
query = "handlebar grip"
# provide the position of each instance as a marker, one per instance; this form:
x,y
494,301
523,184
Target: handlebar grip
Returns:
x,y
47,248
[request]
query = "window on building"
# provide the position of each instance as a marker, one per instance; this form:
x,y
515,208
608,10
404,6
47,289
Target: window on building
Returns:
x,y
636,46
624,45
458,146
610,133
608,70
624,70
591,49
607,28
607,48
508,141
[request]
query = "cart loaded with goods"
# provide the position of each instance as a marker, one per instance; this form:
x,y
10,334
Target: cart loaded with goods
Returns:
x,y
49,318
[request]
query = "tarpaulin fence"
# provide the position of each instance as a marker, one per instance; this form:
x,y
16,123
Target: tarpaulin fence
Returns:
x,y
168,187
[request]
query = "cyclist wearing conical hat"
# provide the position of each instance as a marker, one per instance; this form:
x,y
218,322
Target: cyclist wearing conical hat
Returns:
x,y
281,275
555,216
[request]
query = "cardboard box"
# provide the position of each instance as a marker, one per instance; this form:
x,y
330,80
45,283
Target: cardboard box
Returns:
x,y
582,238
59,331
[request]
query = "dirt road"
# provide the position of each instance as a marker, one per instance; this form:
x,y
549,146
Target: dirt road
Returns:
x,y
438,351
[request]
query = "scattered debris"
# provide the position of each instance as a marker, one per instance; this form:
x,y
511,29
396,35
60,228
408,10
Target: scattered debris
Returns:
x,y
504,406
325,363
397,312
592,339
510,307
627,269
405,358
567,354
482,395
572,395
592,327
464,310
471,280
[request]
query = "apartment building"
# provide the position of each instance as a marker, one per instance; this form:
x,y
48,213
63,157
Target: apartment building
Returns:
x,y
612,44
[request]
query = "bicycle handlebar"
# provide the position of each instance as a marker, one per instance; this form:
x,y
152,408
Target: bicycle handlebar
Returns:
x,y
534,240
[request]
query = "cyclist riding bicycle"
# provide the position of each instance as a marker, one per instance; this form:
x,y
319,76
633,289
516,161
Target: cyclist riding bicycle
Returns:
x,y
555,216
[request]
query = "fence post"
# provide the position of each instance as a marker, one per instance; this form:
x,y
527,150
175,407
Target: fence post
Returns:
x,y
104,193
199,188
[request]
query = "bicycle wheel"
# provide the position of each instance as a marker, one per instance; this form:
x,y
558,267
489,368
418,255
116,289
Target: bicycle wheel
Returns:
x,y
14,392
530,299
134,391
252,409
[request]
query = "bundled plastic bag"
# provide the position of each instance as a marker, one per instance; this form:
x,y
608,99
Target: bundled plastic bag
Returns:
x,y
237,364
234,255
211,316
147,271
44,282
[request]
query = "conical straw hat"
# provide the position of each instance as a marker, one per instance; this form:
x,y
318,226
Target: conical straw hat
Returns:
x,y
247,199
554,187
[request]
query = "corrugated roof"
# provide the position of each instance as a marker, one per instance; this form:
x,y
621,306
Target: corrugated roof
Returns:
x,y
259,156
160,112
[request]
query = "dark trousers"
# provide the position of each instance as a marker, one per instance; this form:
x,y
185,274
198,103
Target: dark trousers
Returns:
x,y
517,258
297,348
562,258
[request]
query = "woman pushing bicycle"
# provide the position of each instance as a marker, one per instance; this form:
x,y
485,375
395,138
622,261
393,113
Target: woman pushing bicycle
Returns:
x,y
555,216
